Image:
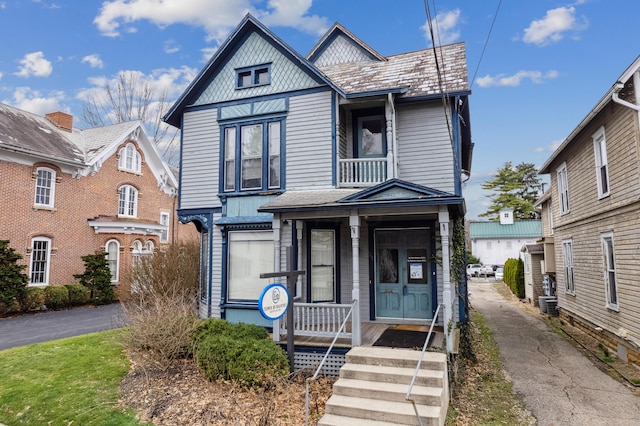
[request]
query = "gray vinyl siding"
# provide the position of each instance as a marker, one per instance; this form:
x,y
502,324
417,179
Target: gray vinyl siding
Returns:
x,y
216,270
425,155
308,141
200,160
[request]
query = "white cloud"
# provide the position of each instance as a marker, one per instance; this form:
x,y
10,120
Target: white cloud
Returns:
x,y
34,64
207,53
171,46
1,74
33,101
445,27
516,79
551,147
216,17
93,60
553,26
3,5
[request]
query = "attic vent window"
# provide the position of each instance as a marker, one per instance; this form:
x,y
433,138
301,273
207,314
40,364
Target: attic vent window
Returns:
x,y
259,75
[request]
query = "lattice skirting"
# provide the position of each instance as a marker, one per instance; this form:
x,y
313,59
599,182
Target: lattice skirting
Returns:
x,y
310,360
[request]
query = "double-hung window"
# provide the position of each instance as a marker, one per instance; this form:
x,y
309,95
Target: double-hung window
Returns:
x,y
128,201
602,165
40,255
129,159
113,258
567,260
258,75
563,188
252,156
45,187
610,281
164,221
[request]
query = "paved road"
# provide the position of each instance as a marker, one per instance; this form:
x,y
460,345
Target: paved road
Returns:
x,y
44,326
559,385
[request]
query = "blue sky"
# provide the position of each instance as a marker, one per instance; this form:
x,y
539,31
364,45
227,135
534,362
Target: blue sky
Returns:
x,y
545,65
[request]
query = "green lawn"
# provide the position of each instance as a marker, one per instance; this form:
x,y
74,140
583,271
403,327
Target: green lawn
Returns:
x,y
63,382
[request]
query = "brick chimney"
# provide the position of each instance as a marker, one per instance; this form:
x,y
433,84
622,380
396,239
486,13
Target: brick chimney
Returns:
x,y
62,120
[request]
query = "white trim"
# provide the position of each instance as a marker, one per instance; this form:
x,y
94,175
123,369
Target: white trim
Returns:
x,y
51,187
608,269
164,234
601,162
136,161
567,266
47,261
115,275
124,205
563,188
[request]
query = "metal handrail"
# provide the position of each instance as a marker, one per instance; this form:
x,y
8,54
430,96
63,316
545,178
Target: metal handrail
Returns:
x,y
326,355
415,373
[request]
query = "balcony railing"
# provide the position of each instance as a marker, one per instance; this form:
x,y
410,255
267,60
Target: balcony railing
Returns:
x,y
360,172
319,320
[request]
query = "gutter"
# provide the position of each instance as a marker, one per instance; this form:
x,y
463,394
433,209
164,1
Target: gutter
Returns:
x,y
619,86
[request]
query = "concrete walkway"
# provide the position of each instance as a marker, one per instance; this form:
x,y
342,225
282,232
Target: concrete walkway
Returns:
x,y
43,326
558,384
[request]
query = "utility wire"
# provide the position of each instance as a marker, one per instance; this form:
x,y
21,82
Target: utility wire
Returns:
x,y
486,42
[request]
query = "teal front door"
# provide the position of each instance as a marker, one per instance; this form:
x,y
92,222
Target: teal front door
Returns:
x,y
403,274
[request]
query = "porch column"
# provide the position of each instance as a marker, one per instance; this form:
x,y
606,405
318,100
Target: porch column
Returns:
x,y
298,231
389,116
275,225
447,295
354,224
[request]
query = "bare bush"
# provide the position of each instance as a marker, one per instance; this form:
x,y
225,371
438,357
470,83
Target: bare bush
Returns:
x,y
160,299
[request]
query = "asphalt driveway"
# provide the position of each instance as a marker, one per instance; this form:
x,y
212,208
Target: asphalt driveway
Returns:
x,y
51,325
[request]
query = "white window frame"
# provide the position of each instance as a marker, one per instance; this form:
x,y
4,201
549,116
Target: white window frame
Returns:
x,y
128,201
567,262
164,220
114,264
322,288
563,188
51,188
245,263
130,159
550,215
47,260
602,162
610,276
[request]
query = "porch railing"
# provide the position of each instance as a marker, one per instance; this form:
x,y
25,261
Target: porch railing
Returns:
x,y
362,171
319,320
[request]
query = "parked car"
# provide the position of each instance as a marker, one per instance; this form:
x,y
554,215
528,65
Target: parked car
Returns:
x,y
473,269
499,274
487,271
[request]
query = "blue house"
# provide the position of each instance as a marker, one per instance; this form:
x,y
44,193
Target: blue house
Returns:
x,y
351,158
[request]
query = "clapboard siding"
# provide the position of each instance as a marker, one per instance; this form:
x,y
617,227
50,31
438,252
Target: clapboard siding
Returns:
x,y
425,155
200,160
216,270
309,142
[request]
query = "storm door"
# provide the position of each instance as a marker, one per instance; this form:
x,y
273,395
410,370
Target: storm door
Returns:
x,y
403,273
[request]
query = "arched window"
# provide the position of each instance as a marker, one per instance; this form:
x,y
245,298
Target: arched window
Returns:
x,y
45,187
128,201
129,159
113,258
149,247
40,259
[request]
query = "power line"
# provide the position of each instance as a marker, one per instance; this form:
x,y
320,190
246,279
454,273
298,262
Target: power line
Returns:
x,y
486,42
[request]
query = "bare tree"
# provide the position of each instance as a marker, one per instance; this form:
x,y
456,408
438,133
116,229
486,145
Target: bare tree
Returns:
x,y
130,97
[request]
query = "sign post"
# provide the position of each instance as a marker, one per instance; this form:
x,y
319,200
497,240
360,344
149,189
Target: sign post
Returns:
x,y
292,277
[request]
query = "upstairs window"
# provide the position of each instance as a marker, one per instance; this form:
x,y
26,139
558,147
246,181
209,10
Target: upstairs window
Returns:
x,y
563,188
252,159
130,159
164,221
602,164
45,187
370,135
128,201
258,75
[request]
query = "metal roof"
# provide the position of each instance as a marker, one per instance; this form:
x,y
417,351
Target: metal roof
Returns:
x,y
494,229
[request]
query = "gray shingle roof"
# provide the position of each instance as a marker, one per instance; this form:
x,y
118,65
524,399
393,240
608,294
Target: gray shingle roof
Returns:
x,y
415,71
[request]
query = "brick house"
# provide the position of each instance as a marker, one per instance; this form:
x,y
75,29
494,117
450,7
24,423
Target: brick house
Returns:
x,y
67,193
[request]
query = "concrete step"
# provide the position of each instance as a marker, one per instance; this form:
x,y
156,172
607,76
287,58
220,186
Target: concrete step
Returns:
x,y
389,412
389,391
333,420
400,375
396,357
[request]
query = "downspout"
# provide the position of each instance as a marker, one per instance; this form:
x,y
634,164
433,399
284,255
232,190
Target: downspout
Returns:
x,y
619,86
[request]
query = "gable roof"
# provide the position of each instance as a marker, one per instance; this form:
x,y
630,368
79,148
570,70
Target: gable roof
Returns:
x,y
356,45
494,229
612,93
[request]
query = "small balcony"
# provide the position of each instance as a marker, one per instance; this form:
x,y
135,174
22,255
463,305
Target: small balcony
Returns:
x,y
362,172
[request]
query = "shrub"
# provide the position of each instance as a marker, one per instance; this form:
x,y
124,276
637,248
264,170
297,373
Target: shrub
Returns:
x,y
56,297
13,283
519,280
78,294
97,278
240,353
33,299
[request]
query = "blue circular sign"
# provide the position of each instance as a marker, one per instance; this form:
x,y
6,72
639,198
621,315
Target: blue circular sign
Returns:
x,y
273,301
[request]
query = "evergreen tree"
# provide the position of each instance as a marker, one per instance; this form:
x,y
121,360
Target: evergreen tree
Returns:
x,y
515,188
13,281
97,278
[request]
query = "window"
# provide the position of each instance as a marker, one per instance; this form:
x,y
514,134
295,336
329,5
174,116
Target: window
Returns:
x,y
563,189
550,216
370,134
113,258
45,185
40,254
610,270
259,75
602,166
250,254
128,201
489,245
129,159
252,160
164,221
567,259
323,265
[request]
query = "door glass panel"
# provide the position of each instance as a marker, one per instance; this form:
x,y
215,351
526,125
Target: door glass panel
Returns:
x,y
371,136
388,265
322,265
